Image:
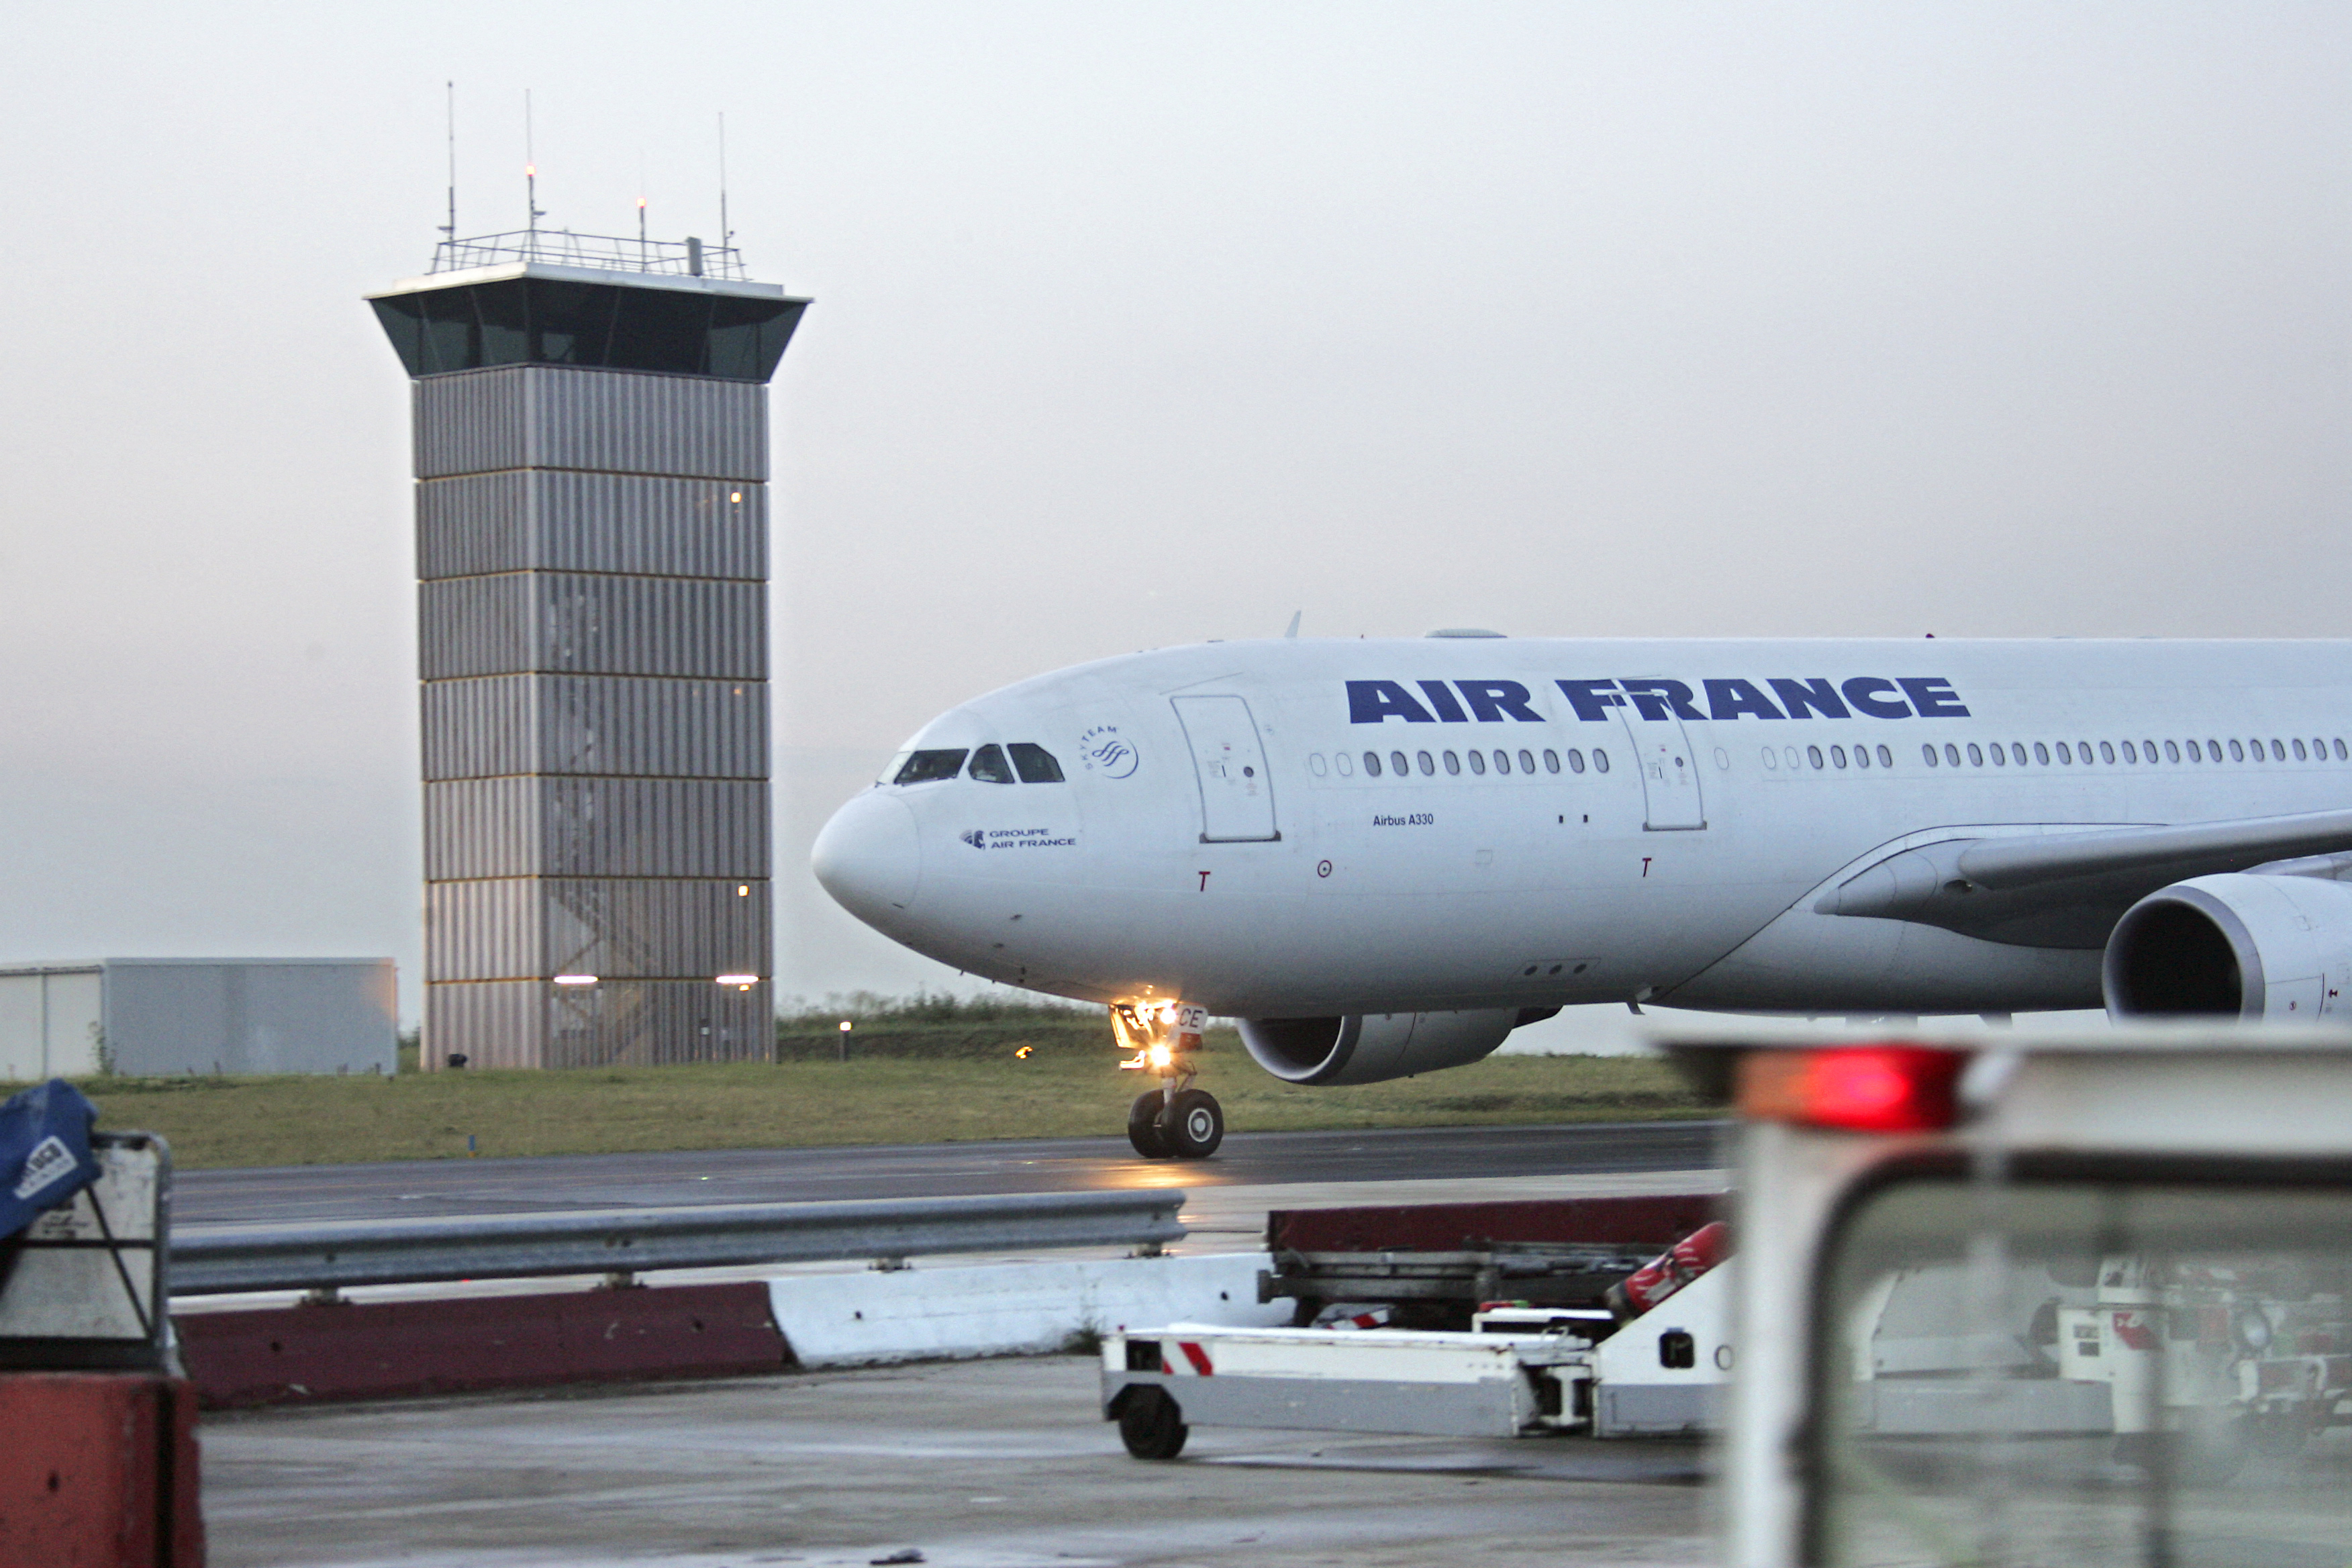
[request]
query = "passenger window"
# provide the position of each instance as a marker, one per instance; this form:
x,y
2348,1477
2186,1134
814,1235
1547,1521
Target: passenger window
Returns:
x,y
2278,753
2298,752
1952,753
1528,759
1372,764
1502,762
1575,760
1452,763
1793,764
2237,753
1478,763
2065,757
1976,757
2194,754
1813,755
1837,755
929,767
1928,753
1771,759
2130,756
1862,756
1347,767
1036,765
1396,761
989,766
1885,758
1315,765
2339,749
2172,752
2214,751
2148,751
1428,764
2107,752
2000,756
1551,761
1600,761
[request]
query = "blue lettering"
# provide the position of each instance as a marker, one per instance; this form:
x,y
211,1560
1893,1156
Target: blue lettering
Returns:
x,y
1591,699
1442,699
1490,700
1658,699
1730,698
1933,697
1818,695
1862,693
1370,701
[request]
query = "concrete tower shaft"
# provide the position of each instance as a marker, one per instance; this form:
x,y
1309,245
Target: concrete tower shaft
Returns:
x,y
592,523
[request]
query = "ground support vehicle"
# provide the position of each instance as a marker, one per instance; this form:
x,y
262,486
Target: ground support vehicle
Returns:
x,y
1661,1376
1432,1266
2027,1298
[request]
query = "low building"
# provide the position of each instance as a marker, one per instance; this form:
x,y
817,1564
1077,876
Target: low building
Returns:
x,y
146,1017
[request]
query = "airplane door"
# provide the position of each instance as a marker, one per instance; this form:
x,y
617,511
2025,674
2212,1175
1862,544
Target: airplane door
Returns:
x,y
1669,773
1236,795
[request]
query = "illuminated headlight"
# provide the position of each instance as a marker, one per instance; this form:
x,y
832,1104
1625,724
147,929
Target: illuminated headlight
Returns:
x,y
2252,1327
1160,1056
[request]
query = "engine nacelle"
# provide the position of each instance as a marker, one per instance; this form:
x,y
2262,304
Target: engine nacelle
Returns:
x,y
1366,1048
2235,946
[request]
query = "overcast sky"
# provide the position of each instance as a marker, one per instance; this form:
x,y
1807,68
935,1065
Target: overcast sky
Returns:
x,y
1135,325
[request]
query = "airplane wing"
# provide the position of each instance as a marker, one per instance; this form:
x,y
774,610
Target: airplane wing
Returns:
x,y
2068,888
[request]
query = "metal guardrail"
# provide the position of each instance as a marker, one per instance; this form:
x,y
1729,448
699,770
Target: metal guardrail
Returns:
x,y
889,1230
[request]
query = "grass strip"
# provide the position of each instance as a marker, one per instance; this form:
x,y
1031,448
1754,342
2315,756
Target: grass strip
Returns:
x,y
904,1084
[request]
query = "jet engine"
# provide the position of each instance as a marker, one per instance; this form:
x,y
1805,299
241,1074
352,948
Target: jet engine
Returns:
x,y
2237,946
1366,1048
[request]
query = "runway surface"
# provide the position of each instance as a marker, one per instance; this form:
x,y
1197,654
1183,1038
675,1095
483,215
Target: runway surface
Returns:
x,y
289,1194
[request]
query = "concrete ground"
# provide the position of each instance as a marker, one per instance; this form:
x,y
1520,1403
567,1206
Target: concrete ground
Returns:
x,y
988,1464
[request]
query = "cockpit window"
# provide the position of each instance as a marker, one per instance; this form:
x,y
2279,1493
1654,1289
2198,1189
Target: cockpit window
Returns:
x,y
1036,764
929,767
989,766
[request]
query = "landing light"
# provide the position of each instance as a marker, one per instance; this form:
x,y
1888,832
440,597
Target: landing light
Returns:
x,y
1160,1056
576,980
739,980
1863,1088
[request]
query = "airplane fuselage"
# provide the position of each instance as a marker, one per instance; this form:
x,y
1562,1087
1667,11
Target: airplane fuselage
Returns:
x,y
1297,828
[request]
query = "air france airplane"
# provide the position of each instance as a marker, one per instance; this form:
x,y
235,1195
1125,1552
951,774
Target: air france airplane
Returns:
x,y
1381,857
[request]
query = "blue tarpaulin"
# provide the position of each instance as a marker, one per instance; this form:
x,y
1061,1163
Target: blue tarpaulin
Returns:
x,y
45,1156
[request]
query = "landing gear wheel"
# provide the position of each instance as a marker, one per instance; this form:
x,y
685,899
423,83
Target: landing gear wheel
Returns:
x,y
1143,1126
1151,1426
1196,1125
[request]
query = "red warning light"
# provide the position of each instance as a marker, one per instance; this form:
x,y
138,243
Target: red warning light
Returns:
x,y
1863,1088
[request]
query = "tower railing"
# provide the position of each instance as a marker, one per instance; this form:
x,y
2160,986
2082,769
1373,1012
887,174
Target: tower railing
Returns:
x,y
610,253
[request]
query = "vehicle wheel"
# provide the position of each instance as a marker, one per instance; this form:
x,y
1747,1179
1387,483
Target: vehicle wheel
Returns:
x,y
1143,1126
1152,1426
1196,1126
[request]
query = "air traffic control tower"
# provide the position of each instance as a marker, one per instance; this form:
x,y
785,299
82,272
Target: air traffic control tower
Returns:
x,y
591,438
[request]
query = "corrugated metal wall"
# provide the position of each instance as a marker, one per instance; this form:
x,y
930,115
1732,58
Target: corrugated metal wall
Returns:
x,y
535,825
538,519
596,725
533,927
591,624
614,421
592,547
530,1023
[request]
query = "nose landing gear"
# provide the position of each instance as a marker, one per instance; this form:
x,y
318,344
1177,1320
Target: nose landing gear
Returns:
x,y
1174,1121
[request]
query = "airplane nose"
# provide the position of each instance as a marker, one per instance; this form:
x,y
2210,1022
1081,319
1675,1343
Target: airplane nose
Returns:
x,y
870,858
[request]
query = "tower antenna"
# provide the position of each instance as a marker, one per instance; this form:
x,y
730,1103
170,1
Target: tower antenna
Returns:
x,y
726,235
450,228
531,176
643,265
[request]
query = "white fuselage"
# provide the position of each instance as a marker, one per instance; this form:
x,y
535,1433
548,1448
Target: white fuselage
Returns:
x,y
1220,835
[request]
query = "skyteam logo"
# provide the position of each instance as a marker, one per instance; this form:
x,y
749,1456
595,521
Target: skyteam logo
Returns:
x,y
976,838
1103,750
1718,701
